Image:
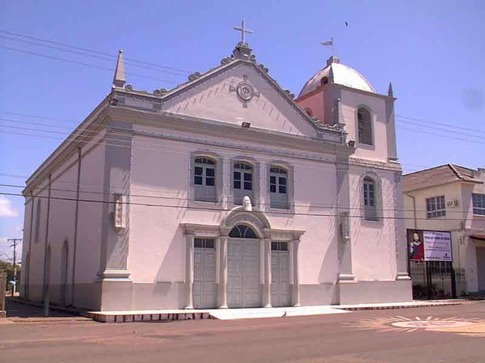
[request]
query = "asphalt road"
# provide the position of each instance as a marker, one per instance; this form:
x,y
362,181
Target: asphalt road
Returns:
x,y
437,334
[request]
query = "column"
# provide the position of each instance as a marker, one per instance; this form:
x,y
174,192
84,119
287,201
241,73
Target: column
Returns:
x,y
189,270
267,273
222,291
294,252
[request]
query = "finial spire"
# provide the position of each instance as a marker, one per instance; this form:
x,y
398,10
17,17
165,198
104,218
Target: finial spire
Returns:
x,y
390,92
119,79
243,31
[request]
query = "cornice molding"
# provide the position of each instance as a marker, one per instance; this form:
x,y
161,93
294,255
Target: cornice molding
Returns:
x,y
217,129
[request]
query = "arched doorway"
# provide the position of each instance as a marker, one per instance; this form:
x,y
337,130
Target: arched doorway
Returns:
x,y
243,268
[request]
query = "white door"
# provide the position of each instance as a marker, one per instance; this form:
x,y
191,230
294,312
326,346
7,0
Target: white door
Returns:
x,y
204,273
243,273
280,274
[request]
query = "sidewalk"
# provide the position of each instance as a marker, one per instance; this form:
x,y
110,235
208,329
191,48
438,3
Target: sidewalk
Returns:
x,y
19,311
253,313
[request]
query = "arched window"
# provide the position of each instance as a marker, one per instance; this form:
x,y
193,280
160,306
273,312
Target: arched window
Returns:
x,y
364,125
242,231
242,181
370,199
278,187
205,179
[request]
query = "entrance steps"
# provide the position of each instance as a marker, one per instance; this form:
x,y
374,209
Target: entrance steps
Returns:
x,y
220,314
253,313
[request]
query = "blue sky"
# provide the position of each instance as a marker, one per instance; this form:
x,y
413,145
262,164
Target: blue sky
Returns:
x,y
432,51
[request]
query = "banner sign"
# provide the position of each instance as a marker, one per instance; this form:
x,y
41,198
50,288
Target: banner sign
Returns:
x,y
429,245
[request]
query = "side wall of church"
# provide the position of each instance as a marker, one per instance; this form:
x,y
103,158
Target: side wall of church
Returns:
x,y
55,230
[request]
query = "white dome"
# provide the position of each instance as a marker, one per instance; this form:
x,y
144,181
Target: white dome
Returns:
x,y
337,73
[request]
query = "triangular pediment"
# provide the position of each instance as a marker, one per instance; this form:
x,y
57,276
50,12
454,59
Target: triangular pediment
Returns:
x,y
240,92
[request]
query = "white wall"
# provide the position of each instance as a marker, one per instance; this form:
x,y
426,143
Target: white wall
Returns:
x,y
161,174
373,242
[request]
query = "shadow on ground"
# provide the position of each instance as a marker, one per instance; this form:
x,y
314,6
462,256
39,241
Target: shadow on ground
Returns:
x,y
16,308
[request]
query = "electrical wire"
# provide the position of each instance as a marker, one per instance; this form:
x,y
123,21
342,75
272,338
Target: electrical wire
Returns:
x,y
287,213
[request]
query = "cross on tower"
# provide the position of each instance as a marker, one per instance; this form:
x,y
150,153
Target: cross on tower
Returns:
x,y
243,30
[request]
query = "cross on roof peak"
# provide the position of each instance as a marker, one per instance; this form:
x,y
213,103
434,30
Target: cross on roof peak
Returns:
x,y
243,31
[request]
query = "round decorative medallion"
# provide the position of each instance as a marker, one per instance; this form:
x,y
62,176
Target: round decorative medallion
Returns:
x,y
245,91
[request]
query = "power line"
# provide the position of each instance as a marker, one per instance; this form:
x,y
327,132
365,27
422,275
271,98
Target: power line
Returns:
x,y
104,56
220,209
84,64
312,205
422,121
86,50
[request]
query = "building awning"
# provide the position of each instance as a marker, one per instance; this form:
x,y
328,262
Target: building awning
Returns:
x,y
480,237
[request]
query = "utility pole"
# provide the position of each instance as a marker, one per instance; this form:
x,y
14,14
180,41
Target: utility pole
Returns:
x,y
14,245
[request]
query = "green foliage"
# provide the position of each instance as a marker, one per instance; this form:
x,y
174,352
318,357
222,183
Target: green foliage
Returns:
x,y
8,268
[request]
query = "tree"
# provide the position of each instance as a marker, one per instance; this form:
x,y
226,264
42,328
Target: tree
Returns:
x,y
8,268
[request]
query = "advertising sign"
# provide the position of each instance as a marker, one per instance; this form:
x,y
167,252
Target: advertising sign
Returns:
x,y
437,246
429,245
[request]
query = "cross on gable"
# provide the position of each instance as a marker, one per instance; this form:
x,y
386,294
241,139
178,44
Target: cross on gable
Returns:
x,y
243,31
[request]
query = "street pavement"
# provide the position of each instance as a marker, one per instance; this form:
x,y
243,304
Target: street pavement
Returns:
x,y
433,334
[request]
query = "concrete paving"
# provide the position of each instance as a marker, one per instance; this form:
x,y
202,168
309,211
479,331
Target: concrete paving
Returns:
x,y
17,309
450,333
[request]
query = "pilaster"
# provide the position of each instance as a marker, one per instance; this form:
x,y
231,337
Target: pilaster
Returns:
x,y
267,273
114,237
294,256
222,287
189,270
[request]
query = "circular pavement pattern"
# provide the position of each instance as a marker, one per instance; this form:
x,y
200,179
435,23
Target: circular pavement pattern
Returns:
x,y
431,324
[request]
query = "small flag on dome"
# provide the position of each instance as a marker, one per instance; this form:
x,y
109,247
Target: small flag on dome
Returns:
x,y
328,43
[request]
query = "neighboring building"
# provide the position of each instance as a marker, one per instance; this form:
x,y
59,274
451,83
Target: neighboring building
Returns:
x,y
222,192
452,198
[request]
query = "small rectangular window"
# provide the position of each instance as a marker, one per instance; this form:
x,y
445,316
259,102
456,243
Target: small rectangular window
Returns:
x,y
204,243
478,201
279,246
435,207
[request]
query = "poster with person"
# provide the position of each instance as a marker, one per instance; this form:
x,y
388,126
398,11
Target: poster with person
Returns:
x,y
416,245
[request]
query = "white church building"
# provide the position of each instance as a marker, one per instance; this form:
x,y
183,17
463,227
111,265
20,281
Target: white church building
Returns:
x,y
223,192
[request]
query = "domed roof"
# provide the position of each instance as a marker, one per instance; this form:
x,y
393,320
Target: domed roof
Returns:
x,y
337,73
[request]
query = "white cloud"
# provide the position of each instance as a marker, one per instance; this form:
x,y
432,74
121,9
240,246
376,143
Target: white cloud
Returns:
x,y
6,208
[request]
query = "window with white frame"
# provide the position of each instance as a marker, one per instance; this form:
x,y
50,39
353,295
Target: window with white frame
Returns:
x,y
370,200
205,180
278,187
478,201
435,207
242,181
364,125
